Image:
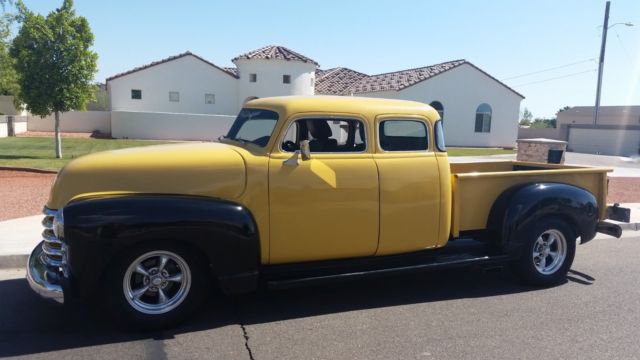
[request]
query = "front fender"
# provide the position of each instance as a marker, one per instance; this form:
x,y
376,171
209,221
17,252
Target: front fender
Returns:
x,y
519,207
97,230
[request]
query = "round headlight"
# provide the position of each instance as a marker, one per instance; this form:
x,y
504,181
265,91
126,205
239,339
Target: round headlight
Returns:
x,y
58,224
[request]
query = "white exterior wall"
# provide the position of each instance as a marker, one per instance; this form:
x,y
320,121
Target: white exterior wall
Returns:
x,y
461,91
188,75
169,126
269,78
73,121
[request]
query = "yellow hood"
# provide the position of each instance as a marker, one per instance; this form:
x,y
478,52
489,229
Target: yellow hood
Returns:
x,y
207,169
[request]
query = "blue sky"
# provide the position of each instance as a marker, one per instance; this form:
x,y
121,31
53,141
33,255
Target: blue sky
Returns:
x,y
504,38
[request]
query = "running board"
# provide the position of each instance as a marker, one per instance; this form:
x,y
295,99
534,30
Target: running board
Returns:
x,y
314,280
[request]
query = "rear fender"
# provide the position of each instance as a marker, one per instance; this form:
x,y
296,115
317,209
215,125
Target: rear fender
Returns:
x,y
517,208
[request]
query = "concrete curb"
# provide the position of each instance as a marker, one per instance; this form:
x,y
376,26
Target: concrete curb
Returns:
x,y
13,261
27,169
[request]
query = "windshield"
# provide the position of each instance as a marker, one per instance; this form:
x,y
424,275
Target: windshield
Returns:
x,y
254,126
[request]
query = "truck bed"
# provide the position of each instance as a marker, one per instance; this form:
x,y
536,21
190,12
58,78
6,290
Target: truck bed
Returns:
x,y
477,185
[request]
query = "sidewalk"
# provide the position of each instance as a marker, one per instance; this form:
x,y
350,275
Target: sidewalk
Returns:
x,y
19,236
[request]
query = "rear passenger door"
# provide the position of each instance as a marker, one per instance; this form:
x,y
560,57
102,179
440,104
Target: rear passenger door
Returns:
x,y
409,184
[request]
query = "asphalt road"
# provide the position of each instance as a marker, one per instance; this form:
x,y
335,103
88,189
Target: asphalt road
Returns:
x,y
440,315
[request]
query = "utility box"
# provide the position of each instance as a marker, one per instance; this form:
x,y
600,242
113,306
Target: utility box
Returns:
x,y
541,150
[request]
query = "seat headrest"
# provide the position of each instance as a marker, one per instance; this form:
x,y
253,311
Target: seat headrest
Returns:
x,y
319,129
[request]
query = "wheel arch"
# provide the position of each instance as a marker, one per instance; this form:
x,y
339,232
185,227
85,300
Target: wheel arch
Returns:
x,y
522,205
223,232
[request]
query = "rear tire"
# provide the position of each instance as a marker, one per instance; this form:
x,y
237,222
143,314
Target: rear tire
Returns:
x,y
548,253
156,286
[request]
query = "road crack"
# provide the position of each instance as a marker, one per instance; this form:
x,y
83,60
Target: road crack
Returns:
x,y
245,333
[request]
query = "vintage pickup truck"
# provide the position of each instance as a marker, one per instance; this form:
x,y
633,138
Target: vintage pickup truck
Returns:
x,y
303,189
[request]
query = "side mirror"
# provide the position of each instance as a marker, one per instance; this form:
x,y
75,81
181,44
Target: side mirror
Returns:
x,y
305,150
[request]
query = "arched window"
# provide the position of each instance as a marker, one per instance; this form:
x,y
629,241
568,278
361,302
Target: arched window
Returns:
x,y
439,108
483,118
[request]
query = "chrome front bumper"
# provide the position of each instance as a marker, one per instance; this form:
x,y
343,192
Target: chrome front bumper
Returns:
x,y
44,278
47,265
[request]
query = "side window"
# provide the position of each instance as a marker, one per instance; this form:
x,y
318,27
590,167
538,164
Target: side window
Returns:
x,y
440,136
403,135
326,135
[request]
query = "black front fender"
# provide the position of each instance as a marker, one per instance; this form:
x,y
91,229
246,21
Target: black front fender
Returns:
x,y
521,206
226,234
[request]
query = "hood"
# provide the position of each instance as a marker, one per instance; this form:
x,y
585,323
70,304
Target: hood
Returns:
x,y
206,169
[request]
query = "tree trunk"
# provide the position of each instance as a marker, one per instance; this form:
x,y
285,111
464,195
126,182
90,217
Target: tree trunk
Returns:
x,y
58,142
10,129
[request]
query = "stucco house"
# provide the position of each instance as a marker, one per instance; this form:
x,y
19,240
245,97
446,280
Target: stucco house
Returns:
x,y
478,110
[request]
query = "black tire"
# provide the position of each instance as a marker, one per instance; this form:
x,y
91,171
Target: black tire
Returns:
x,y
186,299
530,267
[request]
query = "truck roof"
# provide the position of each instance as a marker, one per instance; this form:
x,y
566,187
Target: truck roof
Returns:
x,y
369,107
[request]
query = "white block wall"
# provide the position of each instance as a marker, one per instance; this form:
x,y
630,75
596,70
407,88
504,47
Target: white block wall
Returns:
x,y
169,126
19,126
74,121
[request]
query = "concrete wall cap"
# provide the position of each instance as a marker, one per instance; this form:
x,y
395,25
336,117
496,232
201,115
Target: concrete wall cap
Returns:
x,y
541,141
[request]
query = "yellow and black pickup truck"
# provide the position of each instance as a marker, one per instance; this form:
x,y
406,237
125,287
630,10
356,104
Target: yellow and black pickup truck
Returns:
x,y
301,190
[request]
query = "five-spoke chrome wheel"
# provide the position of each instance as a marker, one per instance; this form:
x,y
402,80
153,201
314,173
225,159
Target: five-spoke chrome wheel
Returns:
x,y
157,282
549,251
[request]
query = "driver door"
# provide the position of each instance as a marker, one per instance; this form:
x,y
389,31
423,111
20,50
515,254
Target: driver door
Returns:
x,y
325,207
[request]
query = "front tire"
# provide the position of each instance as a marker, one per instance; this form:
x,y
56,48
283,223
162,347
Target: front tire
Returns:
x,y
157,286
548,253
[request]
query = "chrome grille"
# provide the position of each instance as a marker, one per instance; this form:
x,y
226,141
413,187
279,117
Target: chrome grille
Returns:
x,y
52,247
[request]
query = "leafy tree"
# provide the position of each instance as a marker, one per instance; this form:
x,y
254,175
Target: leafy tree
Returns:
x,y
8,76
526,117
563,109
54,62
101,99
3,3
540,123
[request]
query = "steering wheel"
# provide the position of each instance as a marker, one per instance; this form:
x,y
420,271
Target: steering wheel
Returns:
x,y
289,145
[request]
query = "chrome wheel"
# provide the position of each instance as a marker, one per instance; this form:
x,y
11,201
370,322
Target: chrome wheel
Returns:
x,y
157,282
549,251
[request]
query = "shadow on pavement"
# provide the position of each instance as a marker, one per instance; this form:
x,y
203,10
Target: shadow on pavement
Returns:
x,y
30,325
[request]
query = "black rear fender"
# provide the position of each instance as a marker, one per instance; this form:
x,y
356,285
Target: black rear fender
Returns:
x,y
519,207
224,232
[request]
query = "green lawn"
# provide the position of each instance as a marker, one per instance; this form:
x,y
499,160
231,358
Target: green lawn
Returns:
x,y
452,151
38,152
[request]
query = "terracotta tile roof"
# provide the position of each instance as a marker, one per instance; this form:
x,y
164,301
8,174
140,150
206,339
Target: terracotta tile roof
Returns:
x,y
277,53
336,81
171,58
399,80
343,81
231,70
